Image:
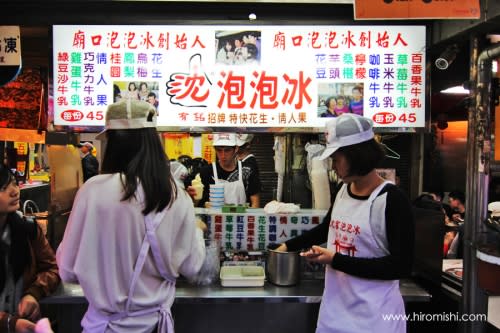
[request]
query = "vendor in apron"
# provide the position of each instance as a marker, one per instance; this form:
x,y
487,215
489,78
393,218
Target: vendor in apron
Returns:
x,y
226,170
369,235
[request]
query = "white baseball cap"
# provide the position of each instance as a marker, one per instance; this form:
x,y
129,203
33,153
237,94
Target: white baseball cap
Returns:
x,y
494,208
86,144
129,114
225,139
346,130
242,139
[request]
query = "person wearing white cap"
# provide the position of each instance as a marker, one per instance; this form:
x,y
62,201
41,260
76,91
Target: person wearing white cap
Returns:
x,y
369,232
90,164
239,186
132,230
248,160
243,141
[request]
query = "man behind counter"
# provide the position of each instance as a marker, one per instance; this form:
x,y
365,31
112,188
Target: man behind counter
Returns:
x,y
90,165
240,184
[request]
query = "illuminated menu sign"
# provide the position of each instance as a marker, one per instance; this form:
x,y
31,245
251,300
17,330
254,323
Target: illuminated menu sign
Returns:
x,y
242,76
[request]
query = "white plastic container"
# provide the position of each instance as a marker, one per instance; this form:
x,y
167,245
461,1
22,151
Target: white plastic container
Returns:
x,y
216,195
242,276
320,185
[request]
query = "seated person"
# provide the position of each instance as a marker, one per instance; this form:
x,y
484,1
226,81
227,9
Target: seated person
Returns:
x,y
439,196
453,243
28,270
457,205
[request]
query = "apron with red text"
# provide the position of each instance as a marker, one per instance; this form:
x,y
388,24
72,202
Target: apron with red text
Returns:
x,y
352,304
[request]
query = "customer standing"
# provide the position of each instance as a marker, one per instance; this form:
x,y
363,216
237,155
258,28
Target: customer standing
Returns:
x,y
369,235
28,270
131,231
90,164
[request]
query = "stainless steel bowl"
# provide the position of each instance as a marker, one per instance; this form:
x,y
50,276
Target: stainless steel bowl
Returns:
x,y
283,268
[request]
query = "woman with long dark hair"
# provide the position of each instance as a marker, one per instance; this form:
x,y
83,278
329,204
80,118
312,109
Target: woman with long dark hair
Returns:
x,y
131,231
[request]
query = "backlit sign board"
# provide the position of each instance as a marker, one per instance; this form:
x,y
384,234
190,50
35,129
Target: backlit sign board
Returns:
x,y
241,76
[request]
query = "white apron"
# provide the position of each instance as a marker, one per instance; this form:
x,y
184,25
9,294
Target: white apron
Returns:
x,y
234,192
97,322
349,303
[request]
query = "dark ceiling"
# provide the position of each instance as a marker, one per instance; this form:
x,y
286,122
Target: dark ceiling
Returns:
x,y
36,19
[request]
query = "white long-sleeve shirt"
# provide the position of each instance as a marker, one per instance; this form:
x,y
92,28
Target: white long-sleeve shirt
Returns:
x,y
103,239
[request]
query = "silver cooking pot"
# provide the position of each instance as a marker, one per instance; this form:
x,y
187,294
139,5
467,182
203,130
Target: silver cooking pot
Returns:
x,y
283,268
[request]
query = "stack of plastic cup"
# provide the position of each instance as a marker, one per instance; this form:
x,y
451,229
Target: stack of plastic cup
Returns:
x,y
216,196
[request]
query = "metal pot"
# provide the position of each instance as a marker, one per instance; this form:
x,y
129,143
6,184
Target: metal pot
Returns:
x,y
283,268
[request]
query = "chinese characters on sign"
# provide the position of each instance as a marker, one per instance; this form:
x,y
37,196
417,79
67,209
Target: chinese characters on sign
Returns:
x,y
10,46
269,76
249,231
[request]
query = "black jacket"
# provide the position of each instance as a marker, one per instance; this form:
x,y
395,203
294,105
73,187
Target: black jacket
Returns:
x,y
90,166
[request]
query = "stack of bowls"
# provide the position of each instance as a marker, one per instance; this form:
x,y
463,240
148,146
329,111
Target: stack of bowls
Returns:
x,y
216,196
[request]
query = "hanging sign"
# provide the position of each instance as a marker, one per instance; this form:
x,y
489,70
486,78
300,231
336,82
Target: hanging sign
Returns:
x,y
416,9
177,144
10,53
10,46
242,76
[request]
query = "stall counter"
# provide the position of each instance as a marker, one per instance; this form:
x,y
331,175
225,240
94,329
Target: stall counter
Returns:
x,y
307,291
284,309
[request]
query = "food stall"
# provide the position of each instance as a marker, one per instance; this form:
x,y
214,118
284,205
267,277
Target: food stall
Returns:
x,y
170,12
282,103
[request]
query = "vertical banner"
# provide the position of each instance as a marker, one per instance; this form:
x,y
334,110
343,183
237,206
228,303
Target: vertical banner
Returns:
x,y
22,164
207,148
177,144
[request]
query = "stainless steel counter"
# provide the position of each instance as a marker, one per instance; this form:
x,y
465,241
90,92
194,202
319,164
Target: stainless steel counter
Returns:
x,y
307,291
193,311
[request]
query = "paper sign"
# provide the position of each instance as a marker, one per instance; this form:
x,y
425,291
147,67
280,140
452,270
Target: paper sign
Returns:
x,y
10,46
177,144
416,9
